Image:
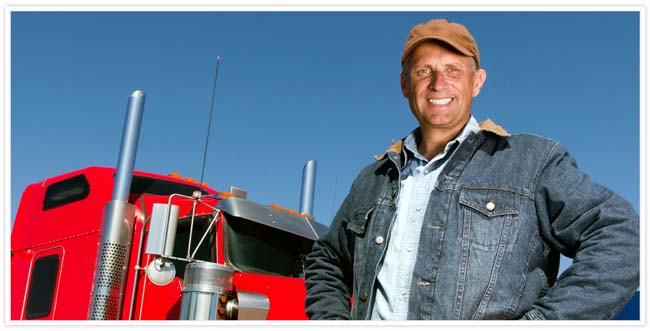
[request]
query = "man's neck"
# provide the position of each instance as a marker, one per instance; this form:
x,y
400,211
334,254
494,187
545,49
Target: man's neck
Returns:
x,y
434,140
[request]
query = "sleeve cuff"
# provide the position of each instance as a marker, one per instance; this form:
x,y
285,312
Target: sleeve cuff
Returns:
x,y
533,315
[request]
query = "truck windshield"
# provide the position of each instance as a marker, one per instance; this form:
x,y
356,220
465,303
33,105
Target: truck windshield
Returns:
x,y
257,248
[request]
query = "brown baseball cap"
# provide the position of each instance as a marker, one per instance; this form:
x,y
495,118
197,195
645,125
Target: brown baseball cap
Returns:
x,y
452,34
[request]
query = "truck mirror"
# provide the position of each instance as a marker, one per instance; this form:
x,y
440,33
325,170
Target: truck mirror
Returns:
x,y
162,229
161,271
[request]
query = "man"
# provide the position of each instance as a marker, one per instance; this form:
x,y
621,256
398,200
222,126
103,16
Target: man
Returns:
x,y
461,220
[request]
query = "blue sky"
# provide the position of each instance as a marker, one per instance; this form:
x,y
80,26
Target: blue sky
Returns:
x,y
295,86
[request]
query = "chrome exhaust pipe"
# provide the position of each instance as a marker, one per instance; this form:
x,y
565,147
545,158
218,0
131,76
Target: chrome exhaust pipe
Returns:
x,y
308,187
207,287
117,224
129,147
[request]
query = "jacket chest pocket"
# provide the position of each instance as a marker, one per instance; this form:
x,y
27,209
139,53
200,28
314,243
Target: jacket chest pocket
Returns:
x,y
359,222
358,228
489,217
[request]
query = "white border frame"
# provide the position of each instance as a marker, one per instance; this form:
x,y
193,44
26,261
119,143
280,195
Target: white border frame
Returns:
x,y
123,6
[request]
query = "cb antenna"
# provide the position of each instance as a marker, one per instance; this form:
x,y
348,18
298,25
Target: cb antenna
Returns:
x,y
207,137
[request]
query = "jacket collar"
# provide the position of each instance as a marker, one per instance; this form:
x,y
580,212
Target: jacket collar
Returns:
x,y
486,125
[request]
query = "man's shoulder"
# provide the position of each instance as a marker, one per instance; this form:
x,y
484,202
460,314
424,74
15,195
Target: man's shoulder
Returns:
x,y
526,140
377,166
524,147
376,170
495,131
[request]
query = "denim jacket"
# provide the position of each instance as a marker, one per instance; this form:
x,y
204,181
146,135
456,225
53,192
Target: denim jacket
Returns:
x,y
503,209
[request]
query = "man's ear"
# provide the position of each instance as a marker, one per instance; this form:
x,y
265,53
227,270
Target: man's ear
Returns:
x,y
479,79
402,81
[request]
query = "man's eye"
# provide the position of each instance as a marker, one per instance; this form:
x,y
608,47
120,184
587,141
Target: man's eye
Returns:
x,y
423,72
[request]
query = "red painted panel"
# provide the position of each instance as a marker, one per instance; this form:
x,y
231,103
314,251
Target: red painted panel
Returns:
x,y
20,266
286,295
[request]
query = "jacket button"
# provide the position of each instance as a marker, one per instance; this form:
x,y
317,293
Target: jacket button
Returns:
x,y
490,206
363,296
379,240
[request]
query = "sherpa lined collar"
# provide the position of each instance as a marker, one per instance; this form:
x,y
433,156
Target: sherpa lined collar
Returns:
x,y
486,125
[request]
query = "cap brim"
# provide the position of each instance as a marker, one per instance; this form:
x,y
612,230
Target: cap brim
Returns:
x,y
420,40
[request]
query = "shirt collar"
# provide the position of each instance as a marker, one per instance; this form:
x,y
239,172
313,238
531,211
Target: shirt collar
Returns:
x,y
486,125
410,145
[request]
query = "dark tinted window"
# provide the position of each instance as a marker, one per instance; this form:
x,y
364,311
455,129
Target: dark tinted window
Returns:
x,y
149,185
257,248
41,287
66,191
206,251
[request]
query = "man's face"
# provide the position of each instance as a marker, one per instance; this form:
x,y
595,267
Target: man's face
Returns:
x,y
440,85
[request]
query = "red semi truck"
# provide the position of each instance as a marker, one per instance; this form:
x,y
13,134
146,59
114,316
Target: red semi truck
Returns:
x,y
118,244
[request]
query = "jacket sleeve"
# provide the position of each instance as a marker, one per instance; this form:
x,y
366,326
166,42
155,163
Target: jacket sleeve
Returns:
x,y
598,229
328,273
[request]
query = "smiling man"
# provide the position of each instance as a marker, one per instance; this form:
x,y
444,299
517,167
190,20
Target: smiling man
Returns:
x,y
461,220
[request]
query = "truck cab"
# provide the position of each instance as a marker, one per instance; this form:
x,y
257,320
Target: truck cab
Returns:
x,y
58,252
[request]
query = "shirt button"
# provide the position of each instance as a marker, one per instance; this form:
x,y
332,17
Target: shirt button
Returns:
x,y
363,296
379,240
409,249
490,206
418,209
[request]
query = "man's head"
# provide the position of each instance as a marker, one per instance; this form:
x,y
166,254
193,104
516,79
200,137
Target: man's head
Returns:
x,y
441,74
453,34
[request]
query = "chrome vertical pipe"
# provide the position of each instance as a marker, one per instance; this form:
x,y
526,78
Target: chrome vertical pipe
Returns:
x,y
128,149
308,187
114,244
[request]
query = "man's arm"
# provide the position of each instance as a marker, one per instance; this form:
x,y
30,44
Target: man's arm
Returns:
x,y
598,229
328,273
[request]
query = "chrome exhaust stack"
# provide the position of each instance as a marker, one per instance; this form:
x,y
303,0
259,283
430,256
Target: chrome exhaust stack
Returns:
x,y
308,188
208,294
117,224
207,288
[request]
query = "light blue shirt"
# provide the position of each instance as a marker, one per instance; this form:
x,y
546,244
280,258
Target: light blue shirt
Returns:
x,y
418,179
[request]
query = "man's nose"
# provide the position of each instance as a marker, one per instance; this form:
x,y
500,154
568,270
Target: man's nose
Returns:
x,y
436,81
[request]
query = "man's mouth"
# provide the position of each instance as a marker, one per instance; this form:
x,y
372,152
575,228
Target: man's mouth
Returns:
x,y
439,101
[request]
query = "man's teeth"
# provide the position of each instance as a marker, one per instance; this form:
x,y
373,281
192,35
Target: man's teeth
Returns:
x,y
439,101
